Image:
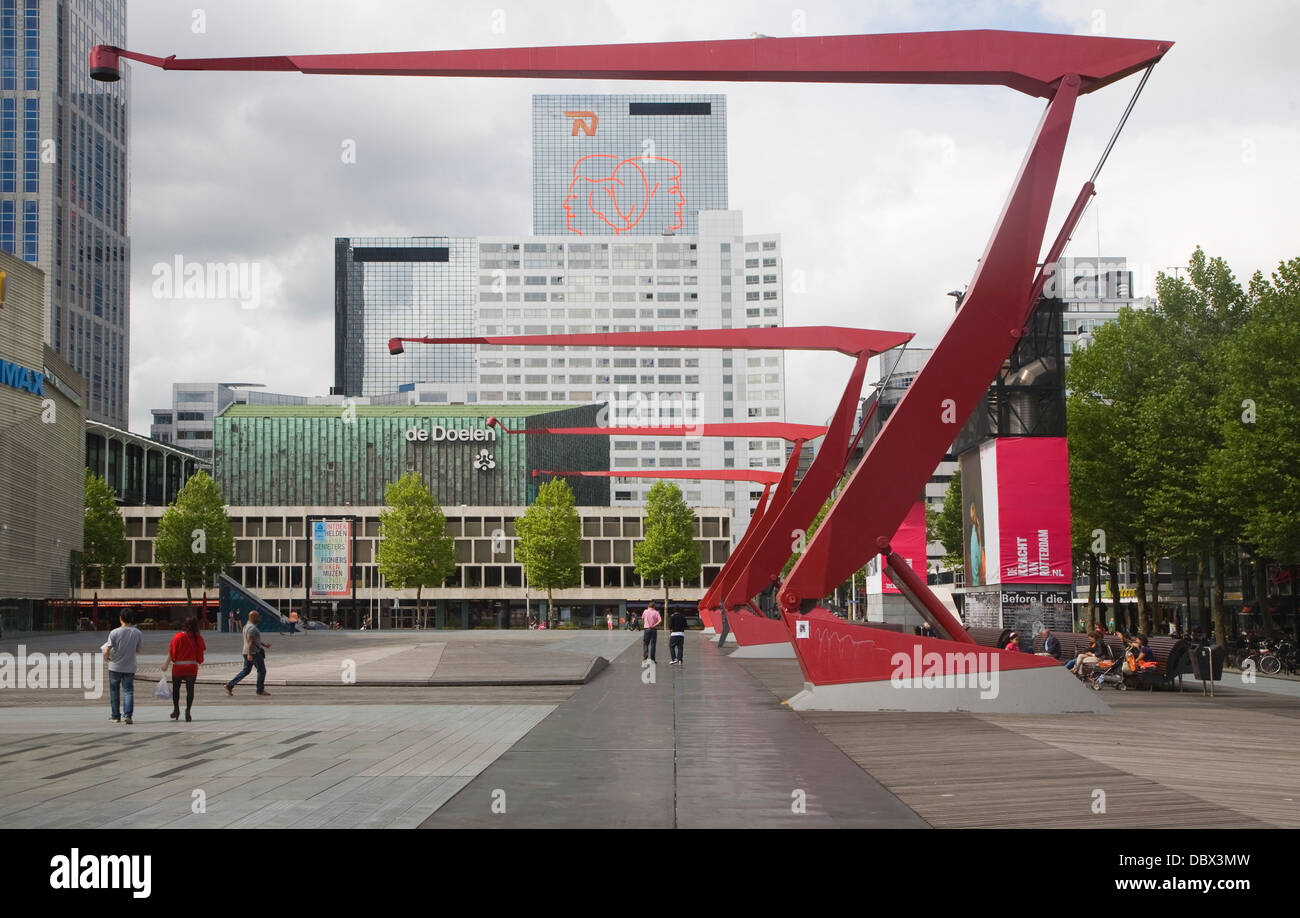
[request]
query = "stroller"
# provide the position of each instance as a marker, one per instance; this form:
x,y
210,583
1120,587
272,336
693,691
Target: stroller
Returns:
x,y
1109,671
1106,672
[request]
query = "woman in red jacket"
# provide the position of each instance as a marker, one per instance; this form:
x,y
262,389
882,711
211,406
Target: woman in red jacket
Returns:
x,y
185,655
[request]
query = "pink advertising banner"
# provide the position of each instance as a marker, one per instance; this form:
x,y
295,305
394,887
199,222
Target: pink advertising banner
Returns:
x,y
908,541
1032,510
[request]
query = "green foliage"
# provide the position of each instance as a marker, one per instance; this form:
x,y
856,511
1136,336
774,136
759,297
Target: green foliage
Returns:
x,y
105,548
668,552
944,525
194,541
550,540
415,550
1183,420
1258,468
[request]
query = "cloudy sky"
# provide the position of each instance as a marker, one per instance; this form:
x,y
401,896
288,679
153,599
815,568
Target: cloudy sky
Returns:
x,y
884,195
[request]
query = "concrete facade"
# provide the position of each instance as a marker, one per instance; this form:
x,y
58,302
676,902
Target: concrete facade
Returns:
x,y
42,483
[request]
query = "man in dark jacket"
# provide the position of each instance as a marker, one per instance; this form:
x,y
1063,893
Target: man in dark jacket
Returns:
x,y
676,636
1051,644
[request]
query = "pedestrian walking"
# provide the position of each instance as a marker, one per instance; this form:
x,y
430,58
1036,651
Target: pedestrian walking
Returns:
x,y
676,637
650,620
123,644
254,656
609,621
184,657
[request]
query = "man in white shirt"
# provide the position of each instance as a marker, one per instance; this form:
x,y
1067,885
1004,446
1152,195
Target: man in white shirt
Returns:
x,y
123,644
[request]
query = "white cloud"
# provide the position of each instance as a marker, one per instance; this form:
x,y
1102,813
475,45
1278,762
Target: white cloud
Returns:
x,y
884,195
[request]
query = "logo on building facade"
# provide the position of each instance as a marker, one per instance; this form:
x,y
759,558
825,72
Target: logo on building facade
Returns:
x,y
12,374
438,434
484,461
617,193
583,121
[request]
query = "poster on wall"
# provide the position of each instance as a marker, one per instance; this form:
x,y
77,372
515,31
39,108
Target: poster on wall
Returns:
x,y
909,542
973,528
1016,516
331,558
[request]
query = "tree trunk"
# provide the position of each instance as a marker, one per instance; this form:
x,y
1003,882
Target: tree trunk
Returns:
x,y
664,623
1094,571
1143,610
550,611
1117,613
189,597
1261,594
419,605
1216,601
1202,610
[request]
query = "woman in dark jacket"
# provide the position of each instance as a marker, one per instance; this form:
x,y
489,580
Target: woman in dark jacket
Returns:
x,y
184,656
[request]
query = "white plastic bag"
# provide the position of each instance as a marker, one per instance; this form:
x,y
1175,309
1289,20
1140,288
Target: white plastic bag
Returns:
x,y
164,690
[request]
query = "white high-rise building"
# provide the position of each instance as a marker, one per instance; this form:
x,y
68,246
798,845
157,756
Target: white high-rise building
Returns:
x,y
1094,289
534,285
633,234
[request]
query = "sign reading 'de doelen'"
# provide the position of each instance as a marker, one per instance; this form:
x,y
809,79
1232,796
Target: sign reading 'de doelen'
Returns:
x,y
439,434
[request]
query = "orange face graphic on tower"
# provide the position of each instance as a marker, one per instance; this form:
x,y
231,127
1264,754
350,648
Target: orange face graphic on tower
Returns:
x,y
618,193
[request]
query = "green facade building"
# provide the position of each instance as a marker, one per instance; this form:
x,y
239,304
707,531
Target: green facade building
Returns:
x,y
346,455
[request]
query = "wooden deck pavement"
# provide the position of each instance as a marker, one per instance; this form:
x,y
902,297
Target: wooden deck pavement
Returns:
x,y
1163,759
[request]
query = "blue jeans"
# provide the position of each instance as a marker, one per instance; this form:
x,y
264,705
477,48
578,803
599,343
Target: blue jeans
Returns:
x,y
121,694
258,660
649,640
676,644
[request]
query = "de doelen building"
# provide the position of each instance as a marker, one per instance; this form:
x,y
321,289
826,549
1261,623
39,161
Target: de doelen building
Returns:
x,y
285,470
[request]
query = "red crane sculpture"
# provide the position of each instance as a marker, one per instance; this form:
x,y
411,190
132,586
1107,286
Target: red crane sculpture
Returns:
x,y
850,666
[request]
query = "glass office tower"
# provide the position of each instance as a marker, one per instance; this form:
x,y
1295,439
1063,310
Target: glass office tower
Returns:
x,y
405,287
637,165
63,183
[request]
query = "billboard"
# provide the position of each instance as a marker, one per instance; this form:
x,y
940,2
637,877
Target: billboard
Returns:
x,y
909,542
1016,512
331,558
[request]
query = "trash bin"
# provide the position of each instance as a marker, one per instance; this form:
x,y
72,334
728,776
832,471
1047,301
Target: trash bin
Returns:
x,y
1207,662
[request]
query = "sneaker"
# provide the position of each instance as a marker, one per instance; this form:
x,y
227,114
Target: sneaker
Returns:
x,y
115,720
128,721
174,715
230,691
187,717
264,693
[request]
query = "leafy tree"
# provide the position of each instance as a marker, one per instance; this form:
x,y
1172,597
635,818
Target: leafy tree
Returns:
x,y
1144,428
194,541
415,550
668,551
550,542
944,525
1257,471
105,548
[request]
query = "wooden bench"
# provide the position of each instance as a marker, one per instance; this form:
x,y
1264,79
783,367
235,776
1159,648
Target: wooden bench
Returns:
x,y
1172,655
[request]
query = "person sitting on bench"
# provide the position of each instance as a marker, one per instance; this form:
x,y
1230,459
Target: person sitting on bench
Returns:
x,y
1051,644
1139,656
1096,652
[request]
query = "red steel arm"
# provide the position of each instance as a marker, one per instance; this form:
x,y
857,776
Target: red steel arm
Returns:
x,y
950,385
1028,62
739,557
851,341
741,429
773,548
1048,269
762,476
